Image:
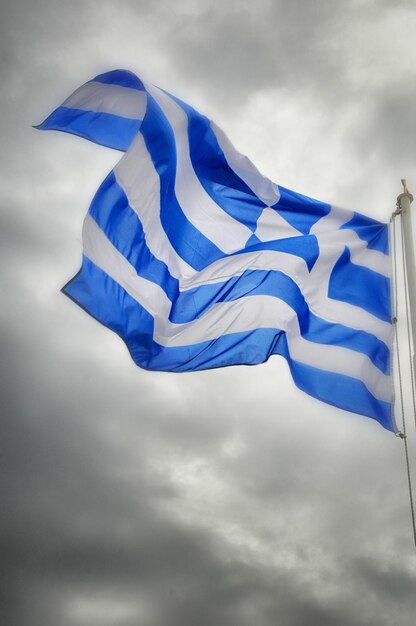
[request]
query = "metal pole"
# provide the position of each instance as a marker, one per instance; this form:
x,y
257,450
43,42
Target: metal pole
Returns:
x,y
404,201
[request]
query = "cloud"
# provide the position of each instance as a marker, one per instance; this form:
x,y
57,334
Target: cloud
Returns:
x,y
217,497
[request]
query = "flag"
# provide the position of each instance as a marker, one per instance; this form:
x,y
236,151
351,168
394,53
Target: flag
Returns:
x,y
196,260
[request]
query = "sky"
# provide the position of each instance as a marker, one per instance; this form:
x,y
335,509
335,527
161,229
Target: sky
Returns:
x,y
135,498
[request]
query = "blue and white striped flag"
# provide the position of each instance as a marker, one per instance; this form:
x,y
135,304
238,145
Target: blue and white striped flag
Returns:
x,y
198,261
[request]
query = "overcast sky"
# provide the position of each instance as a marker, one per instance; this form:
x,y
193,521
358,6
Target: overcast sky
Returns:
x,y
221,498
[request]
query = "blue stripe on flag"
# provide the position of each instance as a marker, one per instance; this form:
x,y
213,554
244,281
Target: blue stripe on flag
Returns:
x,y
360,286
110,304
93,290
341,391
189,243
305,247
106,129
252,241
123,78
113,214
329,333
373,232
215,175
195,302
300,211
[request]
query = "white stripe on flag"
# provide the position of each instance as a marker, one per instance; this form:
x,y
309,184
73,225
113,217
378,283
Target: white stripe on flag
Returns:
x,y
313,285
99,249
206,215
104,98
328,230
263,187
137,176
272,226
245,314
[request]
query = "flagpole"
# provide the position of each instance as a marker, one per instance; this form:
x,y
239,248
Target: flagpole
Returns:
x,y
404,201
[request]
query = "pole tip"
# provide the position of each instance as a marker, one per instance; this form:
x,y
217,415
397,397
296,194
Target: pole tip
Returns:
x,y
405,189
405,194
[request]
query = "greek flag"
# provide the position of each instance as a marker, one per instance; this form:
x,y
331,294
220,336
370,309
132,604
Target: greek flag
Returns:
x,y
197,260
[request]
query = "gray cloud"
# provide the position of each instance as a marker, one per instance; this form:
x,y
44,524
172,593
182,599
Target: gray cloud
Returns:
x,y
217,497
